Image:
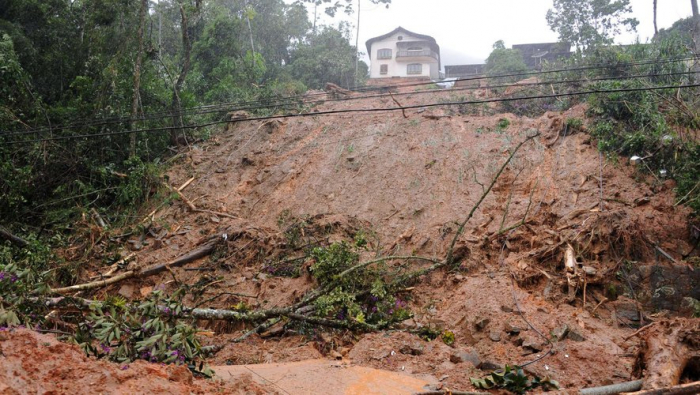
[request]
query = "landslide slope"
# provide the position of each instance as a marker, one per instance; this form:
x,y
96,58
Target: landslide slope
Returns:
x,y
405,179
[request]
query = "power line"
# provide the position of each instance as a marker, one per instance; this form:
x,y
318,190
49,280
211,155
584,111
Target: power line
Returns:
x,y
453,90
288,100
362,110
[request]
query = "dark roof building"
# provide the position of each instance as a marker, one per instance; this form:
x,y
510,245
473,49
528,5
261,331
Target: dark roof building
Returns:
x,y
535,54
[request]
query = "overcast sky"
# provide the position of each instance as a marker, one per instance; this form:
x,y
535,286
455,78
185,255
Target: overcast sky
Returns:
x,y
467,29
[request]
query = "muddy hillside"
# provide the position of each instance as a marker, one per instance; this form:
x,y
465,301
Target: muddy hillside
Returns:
x,y
568,263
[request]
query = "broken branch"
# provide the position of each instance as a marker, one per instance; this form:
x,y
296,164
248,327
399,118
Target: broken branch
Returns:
x,y
450,250
16,240
200,252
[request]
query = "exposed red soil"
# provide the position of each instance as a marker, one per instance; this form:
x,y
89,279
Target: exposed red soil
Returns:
x,y
32,363
405,181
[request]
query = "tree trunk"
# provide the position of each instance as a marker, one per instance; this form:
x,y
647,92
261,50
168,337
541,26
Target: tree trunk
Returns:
x,y
656,28
176,106
668,347
16,240
696,34
137,77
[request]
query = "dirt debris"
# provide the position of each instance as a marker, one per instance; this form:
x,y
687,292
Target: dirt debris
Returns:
x,y
403,182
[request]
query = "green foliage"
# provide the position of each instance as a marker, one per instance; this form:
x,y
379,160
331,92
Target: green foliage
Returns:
x,y
150,330
332,260
24,273
574,124
514,379
326,57
640,123
448,337
344,301
504,61
502,125
588,24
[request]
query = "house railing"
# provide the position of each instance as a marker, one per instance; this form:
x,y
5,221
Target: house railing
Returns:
x,y
416,54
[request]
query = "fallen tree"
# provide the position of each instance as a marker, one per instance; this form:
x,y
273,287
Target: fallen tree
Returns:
x,y
669,347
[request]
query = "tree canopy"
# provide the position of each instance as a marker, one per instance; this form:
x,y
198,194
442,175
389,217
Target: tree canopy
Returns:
x,y
504,61
74,63
588,23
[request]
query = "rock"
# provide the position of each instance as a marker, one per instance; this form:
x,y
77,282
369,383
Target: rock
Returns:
x,y
458,278
480,324
344,351
532,343
506,309
444,377
488,365
590,271
513,330
560,332
465,356
335,355
380,355
575,336
126,291
411,349
495,336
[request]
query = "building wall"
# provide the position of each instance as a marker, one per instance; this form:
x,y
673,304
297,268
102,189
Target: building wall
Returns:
x,y
398,69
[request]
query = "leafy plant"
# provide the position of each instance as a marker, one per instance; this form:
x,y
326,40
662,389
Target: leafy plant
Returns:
x,y
448,337
514,379
345,299
151,330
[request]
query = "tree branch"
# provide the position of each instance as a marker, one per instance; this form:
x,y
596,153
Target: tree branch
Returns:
x,y
450,251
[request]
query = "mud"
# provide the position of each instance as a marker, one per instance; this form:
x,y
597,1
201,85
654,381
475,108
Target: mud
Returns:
x,y
404,182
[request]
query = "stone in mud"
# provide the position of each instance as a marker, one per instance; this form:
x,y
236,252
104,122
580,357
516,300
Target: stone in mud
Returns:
x,y
470,356
560,332
481,323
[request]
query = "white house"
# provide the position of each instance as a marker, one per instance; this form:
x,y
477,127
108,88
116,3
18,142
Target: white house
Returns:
x,y
401,53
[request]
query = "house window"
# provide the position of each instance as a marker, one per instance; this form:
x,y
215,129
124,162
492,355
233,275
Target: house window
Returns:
x,y
415,68
415,49
384,69
400,38
384,54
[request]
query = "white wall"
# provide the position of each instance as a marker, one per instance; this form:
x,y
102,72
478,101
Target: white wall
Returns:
x,y
398,69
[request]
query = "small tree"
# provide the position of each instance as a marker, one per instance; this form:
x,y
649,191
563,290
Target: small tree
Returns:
x,y
588,23
503,61
326,57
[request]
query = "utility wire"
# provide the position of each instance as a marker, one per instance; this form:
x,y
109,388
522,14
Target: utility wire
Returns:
x,y
288,100
361,110
452,90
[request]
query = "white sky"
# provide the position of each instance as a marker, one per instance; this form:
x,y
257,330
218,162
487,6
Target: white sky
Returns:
x,y
467,29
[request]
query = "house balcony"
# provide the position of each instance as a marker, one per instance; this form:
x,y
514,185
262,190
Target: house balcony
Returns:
x,y
425,55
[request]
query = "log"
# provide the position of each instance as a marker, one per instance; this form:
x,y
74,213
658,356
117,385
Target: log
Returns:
x,y
684,389
204,250
16,240
614,388
667,348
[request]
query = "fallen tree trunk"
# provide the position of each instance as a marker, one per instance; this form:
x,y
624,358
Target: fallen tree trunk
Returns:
x,y
684,389
16,240
613,388
667,349
204,250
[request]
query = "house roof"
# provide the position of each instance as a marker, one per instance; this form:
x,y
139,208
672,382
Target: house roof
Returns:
x,y
433,44
542,47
